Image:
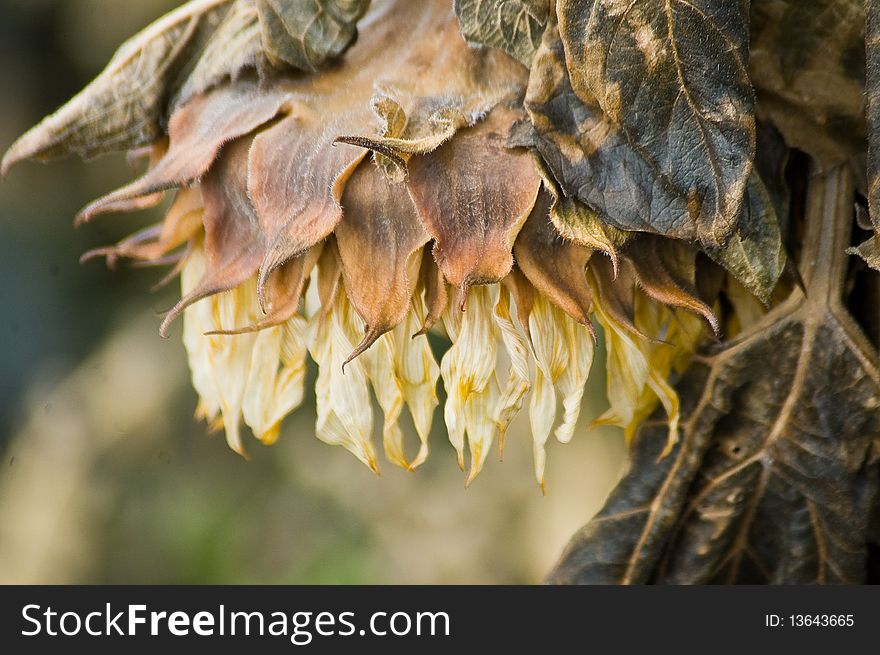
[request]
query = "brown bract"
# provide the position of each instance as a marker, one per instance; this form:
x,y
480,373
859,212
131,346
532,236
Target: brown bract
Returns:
x,y
554,266
666,271
272,175
196,134
380,241
473,195
234,242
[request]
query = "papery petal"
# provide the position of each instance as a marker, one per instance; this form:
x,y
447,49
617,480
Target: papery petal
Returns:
x,y
220,365
275,385
417,371
626,364
468,371
518,383
564,355
345,414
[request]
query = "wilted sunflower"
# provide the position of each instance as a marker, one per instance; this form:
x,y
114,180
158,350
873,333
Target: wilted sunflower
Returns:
x,y
337,198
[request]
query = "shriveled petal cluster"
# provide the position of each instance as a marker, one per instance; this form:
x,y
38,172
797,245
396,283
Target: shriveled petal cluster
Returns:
x,y
342,214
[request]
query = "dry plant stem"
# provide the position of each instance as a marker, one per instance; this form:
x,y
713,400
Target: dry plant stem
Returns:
x,y
700,514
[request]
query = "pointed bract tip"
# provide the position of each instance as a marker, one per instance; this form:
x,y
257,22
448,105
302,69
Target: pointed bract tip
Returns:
x,y
615,263
463,291
715,325
587,323
99,252
371,334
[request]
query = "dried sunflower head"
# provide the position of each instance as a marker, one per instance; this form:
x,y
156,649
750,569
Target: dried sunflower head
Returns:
x,y
342,210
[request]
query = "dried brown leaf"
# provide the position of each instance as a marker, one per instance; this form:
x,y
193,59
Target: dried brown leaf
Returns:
x,y
514,26
125,105
774,479
197,132
755,254
808,68
870,249
234,47
306,33
643,64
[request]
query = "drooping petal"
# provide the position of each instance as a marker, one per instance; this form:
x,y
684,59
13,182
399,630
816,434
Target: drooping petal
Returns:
x,y
626,364
418,372
379,366
275,384
473,195
380,239
345,414
518,383
468,370
220,365
564,355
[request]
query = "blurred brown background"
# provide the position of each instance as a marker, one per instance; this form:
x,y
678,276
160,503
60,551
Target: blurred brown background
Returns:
x,y
106,478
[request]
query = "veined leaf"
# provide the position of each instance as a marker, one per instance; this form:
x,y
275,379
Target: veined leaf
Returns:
x,y
775,478
646,65
235,46
306,33
755,254
577,222
514,26
870,249
125,105
808,68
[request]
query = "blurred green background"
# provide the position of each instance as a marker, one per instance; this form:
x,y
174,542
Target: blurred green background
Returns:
x,y
105,476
